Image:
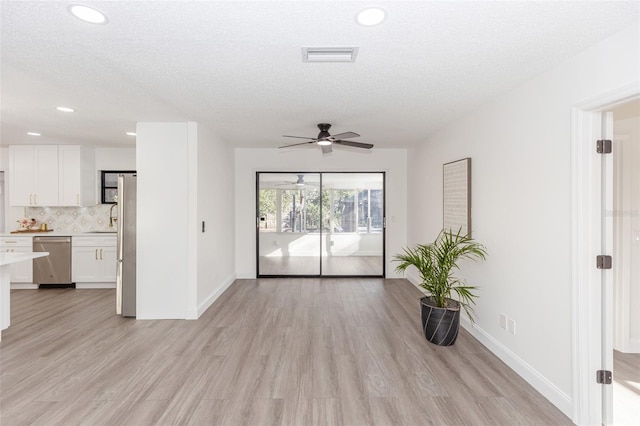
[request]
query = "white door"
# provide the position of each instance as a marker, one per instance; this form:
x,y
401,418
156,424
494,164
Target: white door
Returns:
x,y
86,265
607,274
109,259
46,190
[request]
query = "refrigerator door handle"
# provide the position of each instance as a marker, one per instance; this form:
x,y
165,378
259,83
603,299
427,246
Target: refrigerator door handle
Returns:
x,y
119,287
119,248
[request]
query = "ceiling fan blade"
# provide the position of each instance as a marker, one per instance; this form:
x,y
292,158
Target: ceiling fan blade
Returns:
x,y
355,144
345,135
296,144
326,149
298,137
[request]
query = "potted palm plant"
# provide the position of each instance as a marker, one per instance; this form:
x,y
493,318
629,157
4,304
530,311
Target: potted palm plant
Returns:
x,y
436,263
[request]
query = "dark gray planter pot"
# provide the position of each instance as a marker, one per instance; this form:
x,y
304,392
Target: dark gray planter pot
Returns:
x,y
440,325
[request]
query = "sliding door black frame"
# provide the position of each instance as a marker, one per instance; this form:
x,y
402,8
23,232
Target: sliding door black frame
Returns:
x,y
320,275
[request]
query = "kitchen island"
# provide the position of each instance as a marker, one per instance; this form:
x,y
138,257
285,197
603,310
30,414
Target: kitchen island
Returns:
x,y
6,259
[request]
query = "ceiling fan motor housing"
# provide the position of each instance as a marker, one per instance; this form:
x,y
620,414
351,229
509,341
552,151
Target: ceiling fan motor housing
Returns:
x,y
324,130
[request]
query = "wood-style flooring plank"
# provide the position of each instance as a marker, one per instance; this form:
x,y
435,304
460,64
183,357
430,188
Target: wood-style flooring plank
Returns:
x,y
344,352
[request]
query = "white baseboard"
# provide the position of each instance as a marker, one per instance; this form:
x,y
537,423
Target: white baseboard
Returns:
x,y
550,391
23,286
95,285
26,286
202,308
634,346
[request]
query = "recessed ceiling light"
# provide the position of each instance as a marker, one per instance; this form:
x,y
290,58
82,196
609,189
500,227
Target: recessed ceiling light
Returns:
x,y
34,134
371,16
87,14
65,109
131,133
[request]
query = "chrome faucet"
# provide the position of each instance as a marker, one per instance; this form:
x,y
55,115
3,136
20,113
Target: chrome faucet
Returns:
x,y
111,218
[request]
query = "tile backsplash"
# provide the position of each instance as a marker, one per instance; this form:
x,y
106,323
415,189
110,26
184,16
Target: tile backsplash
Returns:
x,y
73,219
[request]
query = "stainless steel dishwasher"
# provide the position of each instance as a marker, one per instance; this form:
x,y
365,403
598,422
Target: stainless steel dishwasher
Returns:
x,y
53,270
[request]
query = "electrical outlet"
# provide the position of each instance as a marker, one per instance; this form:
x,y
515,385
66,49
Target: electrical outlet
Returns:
x,y
511,326
503,321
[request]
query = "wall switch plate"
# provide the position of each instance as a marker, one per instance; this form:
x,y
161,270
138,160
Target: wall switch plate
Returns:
x,y
511,326
503,321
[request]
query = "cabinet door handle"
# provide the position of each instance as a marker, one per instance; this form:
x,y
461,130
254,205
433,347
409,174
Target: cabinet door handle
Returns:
x,y
30,199
35,199
96,254
78,199
100,254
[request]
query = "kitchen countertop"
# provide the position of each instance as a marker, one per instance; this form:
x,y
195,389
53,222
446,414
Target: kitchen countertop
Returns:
x,y
56,234
9,258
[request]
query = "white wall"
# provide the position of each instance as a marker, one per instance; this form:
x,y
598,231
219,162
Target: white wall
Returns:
x,y
216,246
165,224
520,150
626,220
115,158
249,161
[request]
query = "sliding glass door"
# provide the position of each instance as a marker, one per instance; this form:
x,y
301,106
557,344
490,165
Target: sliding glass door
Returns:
x,y
320,224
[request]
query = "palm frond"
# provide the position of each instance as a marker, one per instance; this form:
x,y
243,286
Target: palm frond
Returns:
x,y
436,262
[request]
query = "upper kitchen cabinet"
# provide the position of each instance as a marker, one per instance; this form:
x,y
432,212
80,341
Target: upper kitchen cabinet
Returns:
x,y
51,175
33,174
76,176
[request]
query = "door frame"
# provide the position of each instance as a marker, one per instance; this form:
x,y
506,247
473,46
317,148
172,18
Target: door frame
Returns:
x,y
586,243
320,275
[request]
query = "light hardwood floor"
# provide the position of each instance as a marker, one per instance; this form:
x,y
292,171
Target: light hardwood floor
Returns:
x,y
268,352
626,389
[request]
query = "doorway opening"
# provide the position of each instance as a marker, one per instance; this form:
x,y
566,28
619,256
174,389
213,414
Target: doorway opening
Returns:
x,y
626,262
594,286
320,224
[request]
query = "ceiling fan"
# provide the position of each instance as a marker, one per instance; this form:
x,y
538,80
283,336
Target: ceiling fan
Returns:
x,y
325,140
299,183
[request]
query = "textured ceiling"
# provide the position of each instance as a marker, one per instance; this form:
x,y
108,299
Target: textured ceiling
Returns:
x,y
237,66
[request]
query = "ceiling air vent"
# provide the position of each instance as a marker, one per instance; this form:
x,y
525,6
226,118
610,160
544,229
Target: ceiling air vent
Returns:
x,y
329,54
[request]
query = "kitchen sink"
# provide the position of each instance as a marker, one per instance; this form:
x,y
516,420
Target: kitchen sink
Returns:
x,y
100,232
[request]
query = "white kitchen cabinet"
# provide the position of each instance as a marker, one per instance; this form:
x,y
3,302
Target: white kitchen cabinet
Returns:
x,y
33,175
93,259
76,176
21,272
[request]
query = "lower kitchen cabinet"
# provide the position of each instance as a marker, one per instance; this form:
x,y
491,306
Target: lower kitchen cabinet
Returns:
x,y
21,272
93,259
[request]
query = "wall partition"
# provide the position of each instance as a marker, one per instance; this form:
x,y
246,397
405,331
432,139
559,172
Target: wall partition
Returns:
x,y
313,224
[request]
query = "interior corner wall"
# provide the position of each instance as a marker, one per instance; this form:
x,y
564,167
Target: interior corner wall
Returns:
x,y
310,159
11,214
163,219
520,146
216,209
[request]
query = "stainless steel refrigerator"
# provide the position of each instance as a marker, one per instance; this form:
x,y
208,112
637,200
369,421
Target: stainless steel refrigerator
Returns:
x,y
126,224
